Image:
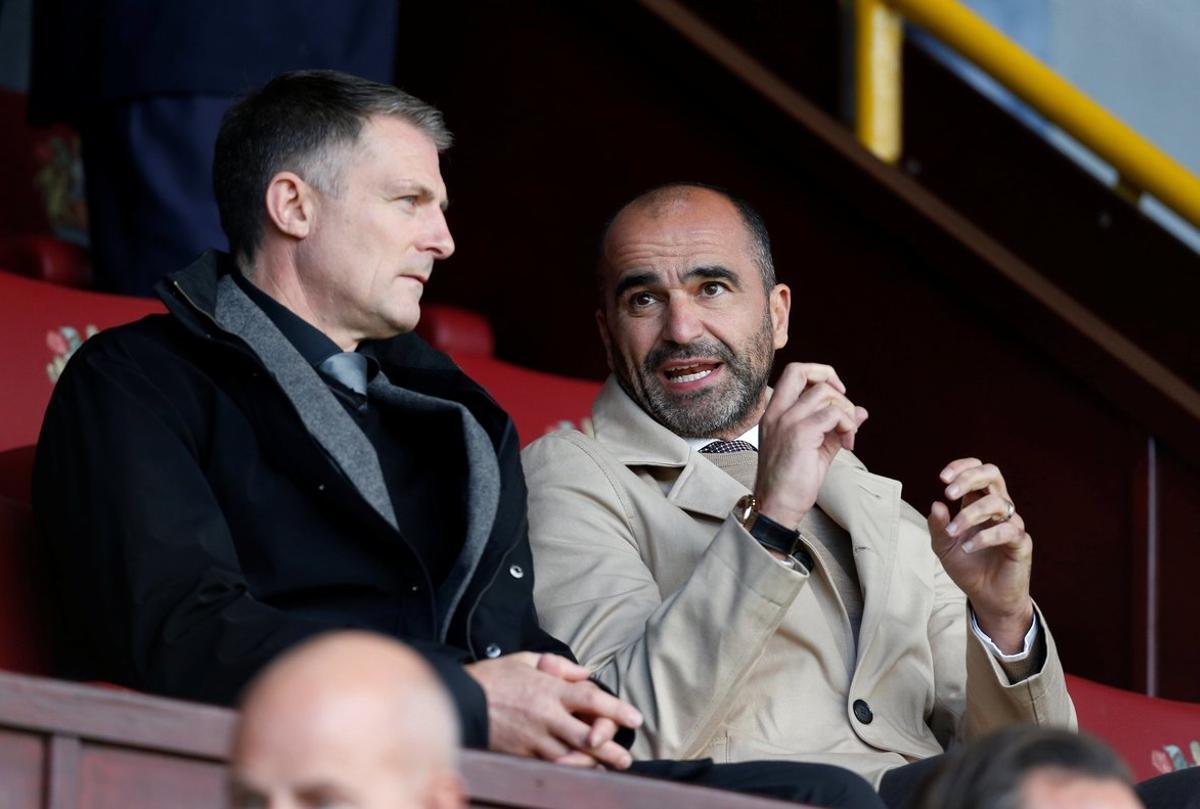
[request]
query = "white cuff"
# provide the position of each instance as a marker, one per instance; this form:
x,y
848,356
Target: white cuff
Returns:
x,y
991,646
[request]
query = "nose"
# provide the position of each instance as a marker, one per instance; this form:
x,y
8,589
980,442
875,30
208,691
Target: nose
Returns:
x,y
683,324
438,239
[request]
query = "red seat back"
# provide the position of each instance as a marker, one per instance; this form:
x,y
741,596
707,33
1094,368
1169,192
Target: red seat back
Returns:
x,y
40,325
538,402
1154,736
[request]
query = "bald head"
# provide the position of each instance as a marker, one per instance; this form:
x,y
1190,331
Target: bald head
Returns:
x,y
662,201
349,719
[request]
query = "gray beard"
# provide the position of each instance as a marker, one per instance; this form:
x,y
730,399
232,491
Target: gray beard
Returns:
x,y
707,412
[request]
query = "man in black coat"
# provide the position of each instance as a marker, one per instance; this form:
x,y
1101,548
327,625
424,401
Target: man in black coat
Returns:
x,y
279,456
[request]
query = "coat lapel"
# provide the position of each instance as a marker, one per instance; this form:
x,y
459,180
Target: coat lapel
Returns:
x,y
325,419
868,507
635,439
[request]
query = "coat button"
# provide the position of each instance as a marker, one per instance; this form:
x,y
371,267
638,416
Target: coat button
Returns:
x,y
492,650
862,712
517,572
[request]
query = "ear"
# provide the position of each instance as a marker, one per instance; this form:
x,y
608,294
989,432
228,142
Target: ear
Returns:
x,y
780,304
605,337
291,204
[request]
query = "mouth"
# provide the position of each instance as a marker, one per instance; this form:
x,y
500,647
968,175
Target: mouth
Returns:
x,y
688,372
419,279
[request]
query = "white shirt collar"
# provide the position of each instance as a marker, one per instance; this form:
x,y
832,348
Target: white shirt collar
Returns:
x,y
750,437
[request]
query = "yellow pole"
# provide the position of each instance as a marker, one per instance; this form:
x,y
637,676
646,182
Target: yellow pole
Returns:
x,y
877,39
1140,164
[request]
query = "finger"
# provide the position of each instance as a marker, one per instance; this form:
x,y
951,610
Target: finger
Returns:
x,y
577,758
787,390
548,747
589,699
816,372
954,467
991,507
613,755
603,730
816,397
938,519
848,437
562,668
1004,534
575,733
985,477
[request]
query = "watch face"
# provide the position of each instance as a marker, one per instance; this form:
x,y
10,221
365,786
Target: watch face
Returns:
x,y
746,509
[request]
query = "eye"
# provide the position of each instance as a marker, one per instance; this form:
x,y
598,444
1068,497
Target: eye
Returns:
x,y
712,289
640,300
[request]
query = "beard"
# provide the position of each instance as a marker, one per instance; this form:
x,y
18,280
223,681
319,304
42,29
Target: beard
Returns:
x,y
714,410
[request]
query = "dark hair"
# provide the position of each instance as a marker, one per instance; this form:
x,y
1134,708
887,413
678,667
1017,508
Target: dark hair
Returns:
x,y
660,195
989,773
302,122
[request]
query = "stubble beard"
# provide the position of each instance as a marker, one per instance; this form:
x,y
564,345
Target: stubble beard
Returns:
x,y
709,411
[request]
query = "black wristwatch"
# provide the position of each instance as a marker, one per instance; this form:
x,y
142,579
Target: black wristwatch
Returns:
x,y
770,534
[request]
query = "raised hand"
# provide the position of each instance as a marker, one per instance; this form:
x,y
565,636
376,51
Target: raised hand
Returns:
x,y
986,550
808,420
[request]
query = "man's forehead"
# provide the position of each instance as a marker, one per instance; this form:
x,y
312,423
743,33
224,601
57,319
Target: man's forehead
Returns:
x,y
690,239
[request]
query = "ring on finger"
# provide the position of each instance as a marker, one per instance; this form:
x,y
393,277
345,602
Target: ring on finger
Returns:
x,y
1007,515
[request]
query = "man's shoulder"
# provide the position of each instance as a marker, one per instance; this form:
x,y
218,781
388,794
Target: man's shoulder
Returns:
x,y
560,446
145,343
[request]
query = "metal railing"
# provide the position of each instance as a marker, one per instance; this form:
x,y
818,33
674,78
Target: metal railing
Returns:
x,y
1141,166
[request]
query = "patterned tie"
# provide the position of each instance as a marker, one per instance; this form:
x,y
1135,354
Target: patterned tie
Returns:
x,y
347,369
722,447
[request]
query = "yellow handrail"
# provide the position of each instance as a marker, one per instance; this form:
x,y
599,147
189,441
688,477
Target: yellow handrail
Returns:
x,y
1140,164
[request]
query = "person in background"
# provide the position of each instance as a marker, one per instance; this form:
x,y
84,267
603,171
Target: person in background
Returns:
x,y
348,719
146,85
1027,767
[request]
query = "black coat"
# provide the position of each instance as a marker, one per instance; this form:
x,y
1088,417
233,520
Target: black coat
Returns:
x,y
197,528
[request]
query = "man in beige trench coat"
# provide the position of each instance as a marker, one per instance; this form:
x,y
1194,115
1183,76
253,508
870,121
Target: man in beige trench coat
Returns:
x,y
719,557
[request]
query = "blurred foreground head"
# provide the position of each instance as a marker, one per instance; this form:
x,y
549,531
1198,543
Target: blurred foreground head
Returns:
x,y
348,720
1027,767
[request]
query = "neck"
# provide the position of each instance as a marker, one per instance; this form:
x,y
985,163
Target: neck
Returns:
x,y
280,280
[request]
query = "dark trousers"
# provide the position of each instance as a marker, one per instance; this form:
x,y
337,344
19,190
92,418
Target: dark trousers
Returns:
x,y
148,171
901,787
812,784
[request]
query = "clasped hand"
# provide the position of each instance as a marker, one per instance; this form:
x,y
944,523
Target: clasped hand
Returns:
x,y
544,706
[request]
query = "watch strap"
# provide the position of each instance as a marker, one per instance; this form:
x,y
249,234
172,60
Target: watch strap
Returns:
x,y
776,537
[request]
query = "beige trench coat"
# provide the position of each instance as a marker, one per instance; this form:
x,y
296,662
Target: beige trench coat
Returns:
x,y
729,655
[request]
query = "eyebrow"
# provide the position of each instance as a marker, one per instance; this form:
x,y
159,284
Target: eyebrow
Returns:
x,y
709,273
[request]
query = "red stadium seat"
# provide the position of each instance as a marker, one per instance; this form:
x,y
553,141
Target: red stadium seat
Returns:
x,y
41,325
456,331
45,258
1154,736
538,402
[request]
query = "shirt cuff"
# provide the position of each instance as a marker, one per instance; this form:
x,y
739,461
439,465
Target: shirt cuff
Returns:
x,y
991,646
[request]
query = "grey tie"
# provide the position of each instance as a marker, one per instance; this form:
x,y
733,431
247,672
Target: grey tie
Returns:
x,y
348,369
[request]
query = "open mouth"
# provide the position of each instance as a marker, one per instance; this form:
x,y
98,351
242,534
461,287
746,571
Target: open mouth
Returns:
x,y
692,372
